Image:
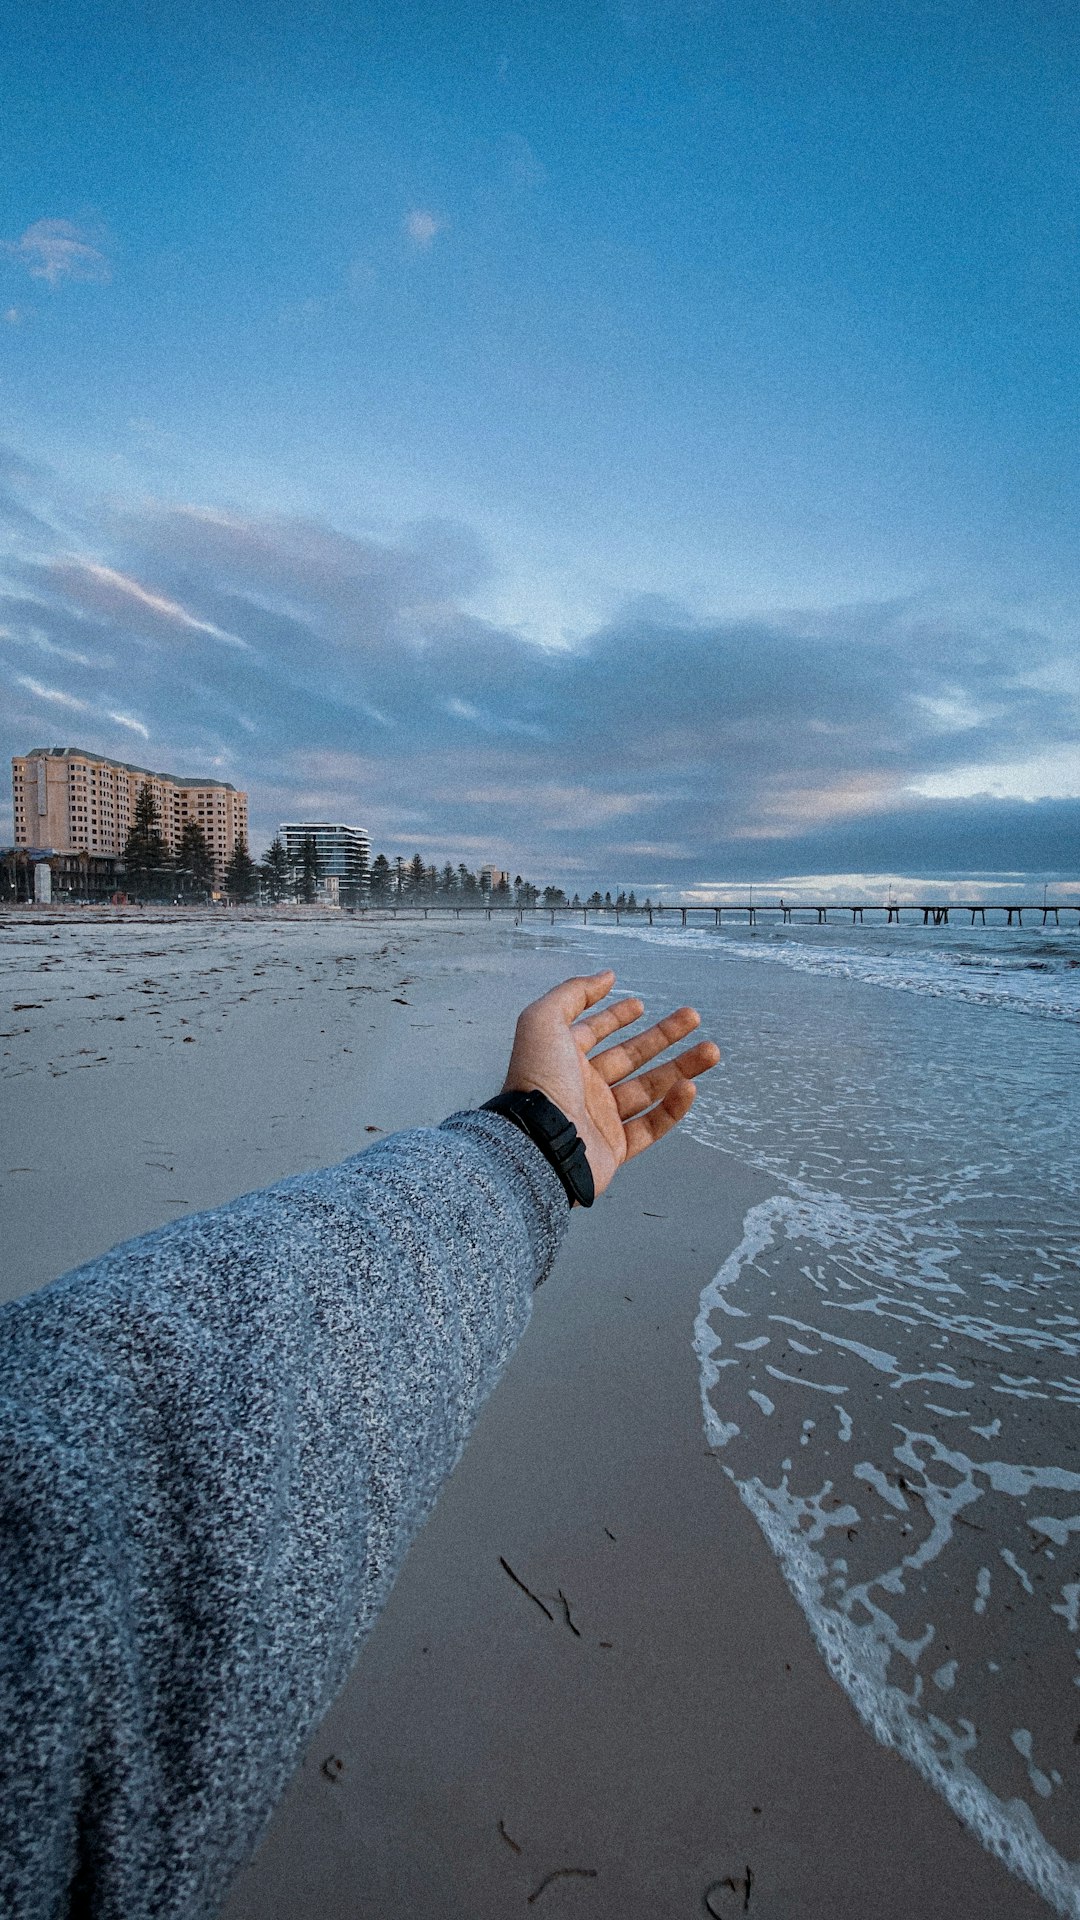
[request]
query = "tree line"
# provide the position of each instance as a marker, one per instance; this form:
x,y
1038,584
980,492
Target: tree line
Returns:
x,y
154,873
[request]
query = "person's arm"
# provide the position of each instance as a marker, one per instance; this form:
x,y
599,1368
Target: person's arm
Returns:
x,y
218,1443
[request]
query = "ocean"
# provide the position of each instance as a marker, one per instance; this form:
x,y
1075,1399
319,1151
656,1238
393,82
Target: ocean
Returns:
x,y
890,1357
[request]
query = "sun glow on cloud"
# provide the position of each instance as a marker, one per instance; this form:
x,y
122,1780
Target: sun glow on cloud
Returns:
x,y
109,590
1045,776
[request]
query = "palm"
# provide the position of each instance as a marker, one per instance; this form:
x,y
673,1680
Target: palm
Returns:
x,y
617,1111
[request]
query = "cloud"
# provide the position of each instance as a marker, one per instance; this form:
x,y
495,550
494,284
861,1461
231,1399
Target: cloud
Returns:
x,y
42,644
100,587
128,720
422,225
56,250
55,695
658,748
1043,776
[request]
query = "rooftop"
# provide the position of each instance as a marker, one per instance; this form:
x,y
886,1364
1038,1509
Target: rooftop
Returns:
x,y
125,766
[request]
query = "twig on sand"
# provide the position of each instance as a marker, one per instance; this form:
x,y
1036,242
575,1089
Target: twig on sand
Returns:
x,y
534,1597
561,1873
729,1885
566,1612
508,1838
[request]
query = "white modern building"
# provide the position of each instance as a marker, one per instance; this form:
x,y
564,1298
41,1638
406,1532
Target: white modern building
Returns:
x,y
344,855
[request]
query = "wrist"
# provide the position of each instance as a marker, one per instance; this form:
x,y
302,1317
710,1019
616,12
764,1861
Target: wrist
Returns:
x,y
554,1133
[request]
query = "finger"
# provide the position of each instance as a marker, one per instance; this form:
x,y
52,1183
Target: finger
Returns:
x,y
589,1033
617,1062
652,1126
635,1096
571,997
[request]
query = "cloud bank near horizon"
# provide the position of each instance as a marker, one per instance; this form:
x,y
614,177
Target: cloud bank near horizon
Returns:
x,y
339,673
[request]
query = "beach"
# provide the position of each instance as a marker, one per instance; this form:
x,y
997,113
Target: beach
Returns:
x,y
598,1687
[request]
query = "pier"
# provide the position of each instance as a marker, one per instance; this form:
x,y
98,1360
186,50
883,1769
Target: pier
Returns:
x,y
934,913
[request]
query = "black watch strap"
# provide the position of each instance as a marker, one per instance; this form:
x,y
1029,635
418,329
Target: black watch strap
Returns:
x,y
557,1138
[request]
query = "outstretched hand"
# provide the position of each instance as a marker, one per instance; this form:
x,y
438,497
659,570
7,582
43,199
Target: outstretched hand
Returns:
x,y
617,1111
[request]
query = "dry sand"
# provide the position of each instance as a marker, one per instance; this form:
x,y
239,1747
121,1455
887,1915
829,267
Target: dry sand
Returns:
x,y
655,1727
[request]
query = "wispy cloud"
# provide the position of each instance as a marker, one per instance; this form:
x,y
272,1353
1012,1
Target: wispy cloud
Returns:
x,y
112,592
129,721
42,644
57,250
422,225
55,695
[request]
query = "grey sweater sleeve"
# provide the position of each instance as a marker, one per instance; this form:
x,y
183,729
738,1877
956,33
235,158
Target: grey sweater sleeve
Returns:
x,y
218,1443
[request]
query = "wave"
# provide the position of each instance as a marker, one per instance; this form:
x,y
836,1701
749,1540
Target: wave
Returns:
x,y
871,1397
1040,978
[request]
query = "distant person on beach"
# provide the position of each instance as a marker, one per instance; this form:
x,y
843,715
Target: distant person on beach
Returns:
x,y
219,1441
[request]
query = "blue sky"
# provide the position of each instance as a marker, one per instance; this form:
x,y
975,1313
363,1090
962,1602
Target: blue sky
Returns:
x,y
637,443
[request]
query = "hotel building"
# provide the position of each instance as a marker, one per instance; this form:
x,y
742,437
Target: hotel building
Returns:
x,y
76,802
344,854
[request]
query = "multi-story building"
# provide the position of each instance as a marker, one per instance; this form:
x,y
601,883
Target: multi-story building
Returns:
x,y
75,802
492,878
344,854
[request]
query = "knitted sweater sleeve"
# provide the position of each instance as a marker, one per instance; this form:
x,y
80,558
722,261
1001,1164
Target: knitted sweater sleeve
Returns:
x,y
218,1443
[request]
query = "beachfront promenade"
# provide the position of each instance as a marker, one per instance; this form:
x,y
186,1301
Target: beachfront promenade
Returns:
x,y
893,913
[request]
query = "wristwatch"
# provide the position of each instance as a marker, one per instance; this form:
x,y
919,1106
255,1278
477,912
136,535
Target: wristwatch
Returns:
x,y
556,1136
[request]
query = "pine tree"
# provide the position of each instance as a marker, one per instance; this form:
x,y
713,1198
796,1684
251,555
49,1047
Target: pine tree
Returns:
x,y
194,863
594,900
399,877
448,882
146,857
415,878
380,880
241,878
309,869
631,905
276,872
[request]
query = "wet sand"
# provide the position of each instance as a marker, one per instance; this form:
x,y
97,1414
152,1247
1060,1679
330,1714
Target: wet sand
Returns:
x,y
591,1667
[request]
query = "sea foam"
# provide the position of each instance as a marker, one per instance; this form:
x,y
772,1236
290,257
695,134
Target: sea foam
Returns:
x,y
890,1359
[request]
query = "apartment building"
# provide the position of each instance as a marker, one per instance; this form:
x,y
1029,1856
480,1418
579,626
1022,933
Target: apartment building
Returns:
x,y
73,801
344,853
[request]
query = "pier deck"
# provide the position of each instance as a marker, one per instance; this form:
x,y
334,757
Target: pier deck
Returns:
x,y
934,913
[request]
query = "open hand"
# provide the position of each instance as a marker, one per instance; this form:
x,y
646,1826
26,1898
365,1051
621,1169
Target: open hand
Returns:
x,y
617,1111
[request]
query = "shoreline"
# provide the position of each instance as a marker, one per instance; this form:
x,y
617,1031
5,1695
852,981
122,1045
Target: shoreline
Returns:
x,y
672,1724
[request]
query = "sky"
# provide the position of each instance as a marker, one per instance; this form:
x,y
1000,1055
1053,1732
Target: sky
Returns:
x,y
634,443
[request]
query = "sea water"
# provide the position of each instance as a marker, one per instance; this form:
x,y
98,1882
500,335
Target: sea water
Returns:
x,y
890,1358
